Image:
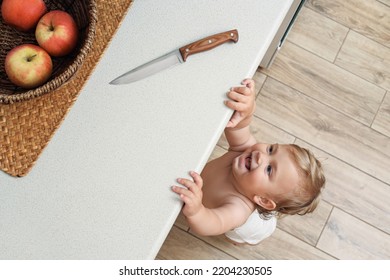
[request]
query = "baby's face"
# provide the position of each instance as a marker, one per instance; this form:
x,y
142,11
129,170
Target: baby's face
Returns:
x,y
265,170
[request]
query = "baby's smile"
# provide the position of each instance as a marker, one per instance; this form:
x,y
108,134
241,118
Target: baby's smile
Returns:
x,y
248,162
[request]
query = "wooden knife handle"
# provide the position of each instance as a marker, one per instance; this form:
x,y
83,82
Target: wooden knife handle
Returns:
x,y
208,43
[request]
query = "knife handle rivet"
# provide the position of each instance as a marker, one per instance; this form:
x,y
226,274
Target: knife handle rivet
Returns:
x,y
231,34
187,50
210,41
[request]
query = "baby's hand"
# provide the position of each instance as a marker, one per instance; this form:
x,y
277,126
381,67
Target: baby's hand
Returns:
x,y
242,100
191,195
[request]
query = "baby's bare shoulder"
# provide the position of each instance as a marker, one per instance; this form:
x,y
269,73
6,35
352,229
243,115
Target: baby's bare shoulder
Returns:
x,y
239,208
240,201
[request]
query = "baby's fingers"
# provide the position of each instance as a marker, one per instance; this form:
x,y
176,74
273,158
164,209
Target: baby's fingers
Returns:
x,y
250,83
197,179
236,96
236,106
189,184
181,190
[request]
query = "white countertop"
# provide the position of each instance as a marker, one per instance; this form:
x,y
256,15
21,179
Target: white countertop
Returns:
x,y
101,188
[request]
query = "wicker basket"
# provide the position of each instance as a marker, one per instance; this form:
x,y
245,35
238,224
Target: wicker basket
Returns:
x,y
84,13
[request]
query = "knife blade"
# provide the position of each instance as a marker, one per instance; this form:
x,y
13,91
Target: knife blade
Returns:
x,y
176,57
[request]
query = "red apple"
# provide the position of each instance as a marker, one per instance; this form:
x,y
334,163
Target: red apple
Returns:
x,y
28,66
57,33
22,14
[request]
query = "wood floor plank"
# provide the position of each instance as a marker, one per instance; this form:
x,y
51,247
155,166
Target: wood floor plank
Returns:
x,y
346,237
259,79
386,2
353,191
327,83
382,120
307,228
279,246
325,128
181,245
366,58
318,34
181,222
368,17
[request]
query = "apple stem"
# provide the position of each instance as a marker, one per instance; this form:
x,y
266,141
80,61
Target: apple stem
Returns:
x,y
31,57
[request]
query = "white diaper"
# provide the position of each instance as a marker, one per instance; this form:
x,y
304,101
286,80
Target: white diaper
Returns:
x,y
254,230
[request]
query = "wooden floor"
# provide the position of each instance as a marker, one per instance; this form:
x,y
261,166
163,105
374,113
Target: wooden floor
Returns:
x,y
329,90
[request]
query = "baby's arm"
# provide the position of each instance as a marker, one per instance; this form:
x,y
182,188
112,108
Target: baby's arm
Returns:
x,y
242,101
205,221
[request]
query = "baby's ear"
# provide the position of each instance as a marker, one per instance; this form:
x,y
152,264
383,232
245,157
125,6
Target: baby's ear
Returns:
x,y
264,202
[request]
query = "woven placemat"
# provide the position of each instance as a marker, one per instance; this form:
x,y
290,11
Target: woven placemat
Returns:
x,y
27,127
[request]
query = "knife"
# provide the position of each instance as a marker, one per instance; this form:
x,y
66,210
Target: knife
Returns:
x,y
175,57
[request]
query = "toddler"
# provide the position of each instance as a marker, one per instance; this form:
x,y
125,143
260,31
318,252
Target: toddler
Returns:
x,y
242,192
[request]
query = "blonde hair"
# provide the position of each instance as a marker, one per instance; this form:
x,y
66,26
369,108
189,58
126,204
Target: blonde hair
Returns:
x,y
306,196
